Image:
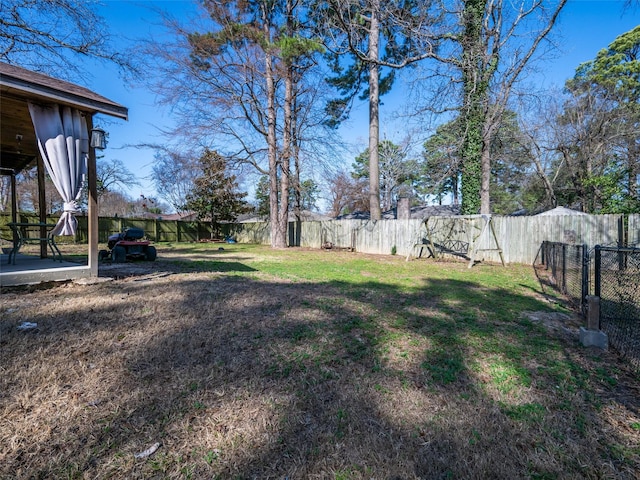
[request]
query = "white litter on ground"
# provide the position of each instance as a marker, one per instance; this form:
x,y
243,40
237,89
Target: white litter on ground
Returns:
x,y
27,326
148,452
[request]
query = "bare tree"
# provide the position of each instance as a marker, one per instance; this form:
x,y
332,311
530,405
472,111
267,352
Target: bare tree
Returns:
x,y
347,194
587,133
498,41
477,70
173,176
52,36
539,141
577,141
114,204
27,193
113,175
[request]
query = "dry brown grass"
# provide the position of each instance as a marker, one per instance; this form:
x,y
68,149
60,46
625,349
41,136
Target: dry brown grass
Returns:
x,y
240,373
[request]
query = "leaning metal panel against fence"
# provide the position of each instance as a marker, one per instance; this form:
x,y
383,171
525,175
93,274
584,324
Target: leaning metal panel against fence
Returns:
x,y
617,283
568,266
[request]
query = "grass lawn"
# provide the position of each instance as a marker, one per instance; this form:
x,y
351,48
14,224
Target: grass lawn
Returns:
x,y
249,362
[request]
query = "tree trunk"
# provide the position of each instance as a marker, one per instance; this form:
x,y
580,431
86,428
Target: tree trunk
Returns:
x,y
472,111
490,129
278,235
295,151
374,125
482,46
633,153
548,187
455,187
294,148
296,162
286,152
485,198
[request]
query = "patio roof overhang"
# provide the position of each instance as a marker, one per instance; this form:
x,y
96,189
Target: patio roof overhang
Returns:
x,y
18,146
19,150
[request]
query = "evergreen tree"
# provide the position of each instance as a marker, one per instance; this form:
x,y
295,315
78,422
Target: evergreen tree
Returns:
x,y
241,80
440,168
306,194
215,197
262,196
605,106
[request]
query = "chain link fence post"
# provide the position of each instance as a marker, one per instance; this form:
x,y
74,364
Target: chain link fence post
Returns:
x,y
597,287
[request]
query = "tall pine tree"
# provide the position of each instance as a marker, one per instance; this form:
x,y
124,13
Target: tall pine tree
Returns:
x,y
367,42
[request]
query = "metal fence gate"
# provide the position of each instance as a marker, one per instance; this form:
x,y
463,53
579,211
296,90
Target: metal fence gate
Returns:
x,y
569,270
617,283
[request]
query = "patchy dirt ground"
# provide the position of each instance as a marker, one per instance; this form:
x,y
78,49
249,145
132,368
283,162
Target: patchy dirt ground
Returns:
x,y
140,270
558,323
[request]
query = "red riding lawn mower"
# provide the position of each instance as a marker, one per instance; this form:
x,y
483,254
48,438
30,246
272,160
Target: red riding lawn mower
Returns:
x,y
128,245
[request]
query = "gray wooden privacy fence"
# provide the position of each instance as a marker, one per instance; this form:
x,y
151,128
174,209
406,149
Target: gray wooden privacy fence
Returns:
x,y
519,238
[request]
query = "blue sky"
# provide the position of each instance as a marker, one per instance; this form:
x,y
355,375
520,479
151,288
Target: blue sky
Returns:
x,y
585,27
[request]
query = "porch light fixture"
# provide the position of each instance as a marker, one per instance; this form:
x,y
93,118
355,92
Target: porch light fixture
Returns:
x,y
98,138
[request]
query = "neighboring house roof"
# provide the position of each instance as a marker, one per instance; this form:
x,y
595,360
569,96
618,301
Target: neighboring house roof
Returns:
x,y
185,216
561,211
425,211
418,212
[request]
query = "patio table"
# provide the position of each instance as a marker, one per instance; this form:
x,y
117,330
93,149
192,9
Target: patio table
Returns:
x,y
21,237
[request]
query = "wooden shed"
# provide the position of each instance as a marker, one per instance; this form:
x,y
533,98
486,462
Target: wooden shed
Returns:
x,y
25,141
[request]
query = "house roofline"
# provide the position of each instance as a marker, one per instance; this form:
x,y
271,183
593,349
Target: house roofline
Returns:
x,y
19,82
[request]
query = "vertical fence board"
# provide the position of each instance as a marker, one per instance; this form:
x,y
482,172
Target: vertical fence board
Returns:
x,y
634,230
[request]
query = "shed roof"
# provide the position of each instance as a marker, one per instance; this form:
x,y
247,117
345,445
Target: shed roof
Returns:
x,y
420,212
561,211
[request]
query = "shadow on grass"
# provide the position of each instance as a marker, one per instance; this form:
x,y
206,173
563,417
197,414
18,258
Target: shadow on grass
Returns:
x,y
203,263
220,266
241,378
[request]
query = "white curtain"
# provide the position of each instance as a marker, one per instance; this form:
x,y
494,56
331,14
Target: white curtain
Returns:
x,y
63,141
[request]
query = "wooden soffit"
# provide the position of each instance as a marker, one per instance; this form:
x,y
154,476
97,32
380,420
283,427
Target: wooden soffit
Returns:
x,y
18,145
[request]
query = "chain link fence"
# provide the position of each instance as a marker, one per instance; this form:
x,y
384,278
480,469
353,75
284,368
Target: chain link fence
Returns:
x,y
568,267
617,283
610,273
